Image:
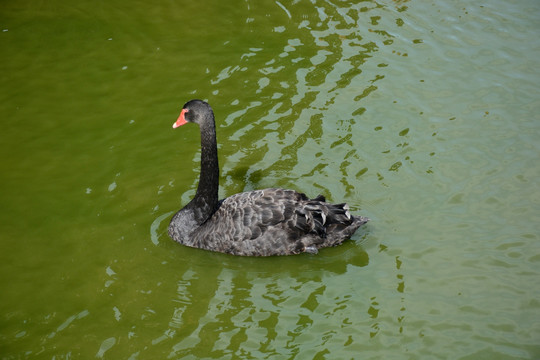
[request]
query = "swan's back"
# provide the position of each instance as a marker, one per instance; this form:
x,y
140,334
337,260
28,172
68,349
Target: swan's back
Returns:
x,y
274,222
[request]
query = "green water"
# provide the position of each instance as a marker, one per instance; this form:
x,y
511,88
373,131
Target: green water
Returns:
x,y
423,116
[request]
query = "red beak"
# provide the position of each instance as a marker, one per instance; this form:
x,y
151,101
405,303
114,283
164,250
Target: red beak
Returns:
x,y
181,119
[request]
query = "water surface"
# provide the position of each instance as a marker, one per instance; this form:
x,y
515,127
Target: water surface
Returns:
x,y
422,116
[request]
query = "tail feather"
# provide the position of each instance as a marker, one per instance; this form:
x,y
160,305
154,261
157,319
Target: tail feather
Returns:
x,y
320,217
338,214
311,220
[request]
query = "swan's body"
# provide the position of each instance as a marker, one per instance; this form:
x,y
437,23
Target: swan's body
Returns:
x,y
256,223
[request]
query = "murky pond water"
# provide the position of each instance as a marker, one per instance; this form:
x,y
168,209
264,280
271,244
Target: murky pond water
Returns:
x,y
423,116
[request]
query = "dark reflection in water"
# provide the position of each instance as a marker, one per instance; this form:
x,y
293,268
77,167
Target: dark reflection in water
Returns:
x,y
254,306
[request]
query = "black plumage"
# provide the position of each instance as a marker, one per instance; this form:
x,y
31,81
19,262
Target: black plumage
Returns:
x,y
256,223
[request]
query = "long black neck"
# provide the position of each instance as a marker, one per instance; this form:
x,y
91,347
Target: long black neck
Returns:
x,y
206,198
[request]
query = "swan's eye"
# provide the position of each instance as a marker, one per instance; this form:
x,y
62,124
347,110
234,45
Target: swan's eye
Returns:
x,y
188,115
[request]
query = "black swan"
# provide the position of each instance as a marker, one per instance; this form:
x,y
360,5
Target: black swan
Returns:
x,y
255,223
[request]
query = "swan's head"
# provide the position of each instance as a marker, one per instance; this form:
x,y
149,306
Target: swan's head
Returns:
x,y
195,111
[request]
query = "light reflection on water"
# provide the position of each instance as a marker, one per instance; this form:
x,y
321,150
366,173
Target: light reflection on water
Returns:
x,y
245,302
424,118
